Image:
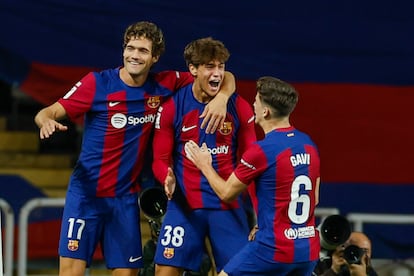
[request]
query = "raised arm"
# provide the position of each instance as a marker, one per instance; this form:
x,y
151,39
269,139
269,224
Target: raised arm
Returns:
x,y
215,111
47,120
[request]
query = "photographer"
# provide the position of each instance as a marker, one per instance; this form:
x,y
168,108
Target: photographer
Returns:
x,y
352,258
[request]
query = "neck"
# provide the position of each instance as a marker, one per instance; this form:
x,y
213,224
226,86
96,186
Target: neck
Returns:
x,y
273,124
200,95
132,80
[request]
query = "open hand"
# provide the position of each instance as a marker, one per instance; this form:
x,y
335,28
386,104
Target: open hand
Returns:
x,y
200,156
50,127
169,183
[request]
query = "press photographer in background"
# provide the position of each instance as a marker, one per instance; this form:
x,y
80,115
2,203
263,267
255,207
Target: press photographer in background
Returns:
x,y
352,258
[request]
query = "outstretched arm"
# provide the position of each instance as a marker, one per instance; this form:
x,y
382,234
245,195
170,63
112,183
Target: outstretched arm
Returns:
x,y
201,157
47,120
215,111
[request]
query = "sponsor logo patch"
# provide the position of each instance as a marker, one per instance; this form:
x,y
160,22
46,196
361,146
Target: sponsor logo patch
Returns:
x,y
119,120
300,233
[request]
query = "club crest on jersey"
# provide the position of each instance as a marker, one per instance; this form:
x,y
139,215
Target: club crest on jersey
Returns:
x,y
73,245
226,128
154,102
168,253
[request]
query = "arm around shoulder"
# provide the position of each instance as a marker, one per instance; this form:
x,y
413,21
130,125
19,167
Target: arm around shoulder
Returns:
x,y
215,112
229,84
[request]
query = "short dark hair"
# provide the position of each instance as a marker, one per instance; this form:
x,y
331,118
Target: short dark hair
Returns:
x,y
277,94
147,30
204,50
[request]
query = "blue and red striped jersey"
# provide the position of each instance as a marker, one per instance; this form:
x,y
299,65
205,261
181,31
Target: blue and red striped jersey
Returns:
x,y
118,121
178,122
285,166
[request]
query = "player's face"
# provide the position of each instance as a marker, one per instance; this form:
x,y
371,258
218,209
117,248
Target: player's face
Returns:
x,y
138,58
208,78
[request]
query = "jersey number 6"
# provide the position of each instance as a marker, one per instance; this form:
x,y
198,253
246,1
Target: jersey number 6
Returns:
x,y
299,205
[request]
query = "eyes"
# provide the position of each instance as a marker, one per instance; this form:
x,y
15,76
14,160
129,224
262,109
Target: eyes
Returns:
x,y
141,50
212,66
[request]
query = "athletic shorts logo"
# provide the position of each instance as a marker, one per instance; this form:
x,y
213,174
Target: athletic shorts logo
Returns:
x,y
73,245
185,129
133,260
112,104
168,253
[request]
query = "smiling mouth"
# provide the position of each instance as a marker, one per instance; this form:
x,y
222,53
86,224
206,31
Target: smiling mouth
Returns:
x,y
214,84
135,63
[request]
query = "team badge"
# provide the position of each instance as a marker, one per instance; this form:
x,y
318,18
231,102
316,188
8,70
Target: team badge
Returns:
x,y
154,102
168,252
73,245
226,128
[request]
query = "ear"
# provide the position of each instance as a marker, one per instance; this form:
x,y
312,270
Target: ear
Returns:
x,y
266,112
192,69
155,59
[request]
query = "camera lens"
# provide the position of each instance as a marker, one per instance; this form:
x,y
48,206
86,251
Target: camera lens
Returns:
x,y
334,231
353,254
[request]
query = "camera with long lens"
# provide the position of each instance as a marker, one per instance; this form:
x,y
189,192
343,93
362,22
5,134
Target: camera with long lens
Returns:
x,y
153,204
334,231
353,254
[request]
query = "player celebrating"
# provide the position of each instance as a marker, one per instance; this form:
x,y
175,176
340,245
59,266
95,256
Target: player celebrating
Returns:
x,y
119,107
194,211
285,167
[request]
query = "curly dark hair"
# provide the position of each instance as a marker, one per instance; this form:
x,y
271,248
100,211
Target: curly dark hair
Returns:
x,y
147,30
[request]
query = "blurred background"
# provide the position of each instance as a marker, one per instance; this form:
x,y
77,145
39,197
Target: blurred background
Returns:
x,y
351,61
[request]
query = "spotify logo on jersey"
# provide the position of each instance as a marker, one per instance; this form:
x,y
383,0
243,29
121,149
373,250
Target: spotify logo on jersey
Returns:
x,y
118,120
